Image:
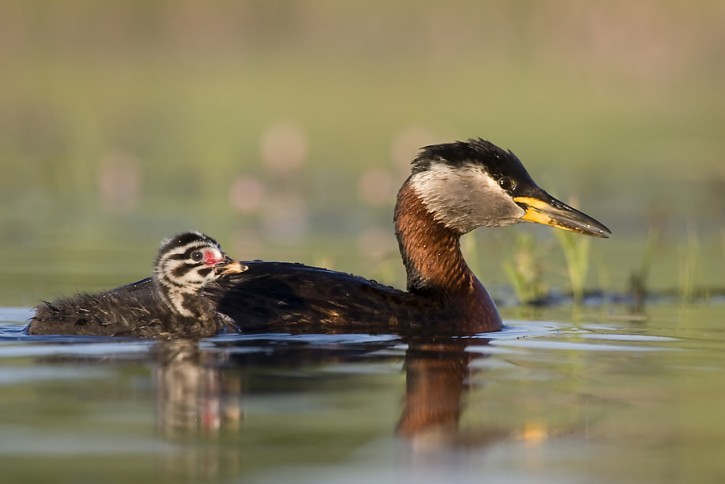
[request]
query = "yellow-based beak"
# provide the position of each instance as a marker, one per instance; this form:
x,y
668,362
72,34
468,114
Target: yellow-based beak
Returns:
x,y
230,267
547,210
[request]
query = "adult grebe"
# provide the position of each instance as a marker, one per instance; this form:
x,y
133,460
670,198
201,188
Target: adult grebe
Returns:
x,y
453,188
168,304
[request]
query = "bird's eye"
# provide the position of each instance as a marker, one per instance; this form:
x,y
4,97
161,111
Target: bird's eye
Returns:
x,y
196,256
507,183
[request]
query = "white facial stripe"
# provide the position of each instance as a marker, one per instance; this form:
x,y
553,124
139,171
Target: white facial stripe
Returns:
x,y
181,273
191,246
179,277
193,277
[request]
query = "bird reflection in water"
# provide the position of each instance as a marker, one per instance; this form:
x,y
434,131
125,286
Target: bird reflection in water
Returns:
x,y
200,395
195,399
436,376
199,392
193,395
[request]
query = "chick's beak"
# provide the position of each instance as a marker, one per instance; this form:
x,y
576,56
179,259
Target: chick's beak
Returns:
x,y
230,266
542,208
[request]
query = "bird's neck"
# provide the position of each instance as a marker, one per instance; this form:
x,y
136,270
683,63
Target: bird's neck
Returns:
x,y
433,260
431,251
179,300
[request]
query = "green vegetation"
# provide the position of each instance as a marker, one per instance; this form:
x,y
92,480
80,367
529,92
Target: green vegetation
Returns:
x,y
576,252
524,270
638,278
689,255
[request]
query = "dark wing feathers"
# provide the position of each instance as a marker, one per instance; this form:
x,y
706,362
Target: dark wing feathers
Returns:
x,y
285,296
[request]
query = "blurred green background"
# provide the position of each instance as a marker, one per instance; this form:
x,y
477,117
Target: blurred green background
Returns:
x,y
284,128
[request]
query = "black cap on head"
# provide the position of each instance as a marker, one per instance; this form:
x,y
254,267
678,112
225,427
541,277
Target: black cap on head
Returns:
x,y
495,161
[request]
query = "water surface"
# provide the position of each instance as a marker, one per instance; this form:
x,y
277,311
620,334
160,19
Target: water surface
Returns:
x,y
595,397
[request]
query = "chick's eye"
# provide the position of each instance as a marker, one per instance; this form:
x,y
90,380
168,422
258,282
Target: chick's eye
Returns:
x,y
196,256
507,183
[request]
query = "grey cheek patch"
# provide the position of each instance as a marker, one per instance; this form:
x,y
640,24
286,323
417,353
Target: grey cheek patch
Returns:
x,y
463,198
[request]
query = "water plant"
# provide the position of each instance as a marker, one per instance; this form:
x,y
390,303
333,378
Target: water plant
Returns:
x,y
638,286
576,253
525,271
689,259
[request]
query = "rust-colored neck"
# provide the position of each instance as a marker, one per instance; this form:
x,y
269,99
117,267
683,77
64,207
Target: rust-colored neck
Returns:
x,y
434,263
431,251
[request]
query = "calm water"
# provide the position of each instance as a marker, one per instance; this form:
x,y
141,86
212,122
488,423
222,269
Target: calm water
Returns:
x,y
602,399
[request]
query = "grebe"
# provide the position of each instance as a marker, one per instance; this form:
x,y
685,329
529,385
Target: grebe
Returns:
x,y
453,188
170,303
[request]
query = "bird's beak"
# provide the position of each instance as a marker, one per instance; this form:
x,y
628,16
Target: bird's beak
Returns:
x,y
230,266
542,208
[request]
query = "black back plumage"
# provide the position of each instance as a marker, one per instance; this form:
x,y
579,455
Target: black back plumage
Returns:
x,y
290,297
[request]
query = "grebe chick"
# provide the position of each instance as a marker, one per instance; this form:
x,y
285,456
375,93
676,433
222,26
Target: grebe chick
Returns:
x,y
453,188
170,303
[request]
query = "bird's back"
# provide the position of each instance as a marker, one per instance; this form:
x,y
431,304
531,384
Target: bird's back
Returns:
x,y
280,296
132,310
